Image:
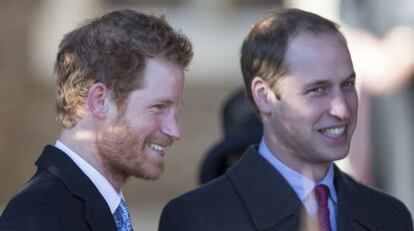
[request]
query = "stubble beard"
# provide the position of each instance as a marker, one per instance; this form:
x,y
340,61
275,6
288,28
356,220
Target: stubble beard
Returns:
x,y
123,152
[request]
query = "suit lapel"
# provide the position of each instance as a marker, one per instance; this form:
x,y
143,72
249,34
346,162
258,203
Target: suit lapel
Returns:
x,y
268,198
353,213
97,212
273,205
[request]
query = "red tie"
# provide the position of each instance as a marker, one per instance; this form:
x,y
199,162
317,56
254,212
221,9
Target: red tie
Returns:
x,y
322,193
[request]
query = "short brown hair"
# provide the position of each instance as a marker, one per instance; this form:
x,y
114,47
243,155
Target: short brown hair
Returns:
x,y
265,45
113,50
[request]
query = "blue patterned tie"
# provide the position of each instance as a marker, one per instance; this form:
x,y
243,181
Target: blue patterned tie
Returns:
x,y
121,216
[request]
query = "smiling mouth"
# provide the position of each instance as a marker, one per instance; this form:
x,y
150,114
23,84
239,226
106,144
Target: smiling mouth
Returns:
x,y
333,132
157,147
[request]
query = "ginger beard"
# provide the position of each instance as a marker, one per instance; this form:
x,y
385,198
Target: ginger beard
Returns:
x,y
122,150
134,134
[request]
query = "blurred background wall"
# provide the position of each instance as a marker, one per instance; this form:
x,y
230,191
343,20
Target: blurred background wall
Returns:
x,y
30,32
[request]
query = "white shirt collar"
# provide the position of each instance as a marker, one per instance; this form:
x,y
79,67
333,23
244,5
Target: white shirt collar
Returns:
x,y
301,185
111,196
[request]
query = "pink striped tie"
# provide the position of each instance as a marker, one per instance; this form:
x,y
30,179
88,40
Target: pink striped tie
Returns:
x,y
322,193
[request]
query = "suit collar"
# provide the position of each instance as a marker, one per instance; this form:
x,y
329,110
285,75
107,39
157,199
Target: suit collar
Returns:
x,y
270,201
97,212
301,184
266,195
111,196
353,204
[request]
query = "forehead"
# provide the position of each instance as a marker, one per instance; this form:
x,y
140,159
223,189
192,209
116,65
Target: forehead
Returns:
x,y
323,55
162,80
159,71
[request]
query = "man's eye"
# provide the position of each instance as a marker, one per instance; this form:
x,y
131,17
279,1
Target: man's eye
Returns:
x,y
158,107
349,83
317,90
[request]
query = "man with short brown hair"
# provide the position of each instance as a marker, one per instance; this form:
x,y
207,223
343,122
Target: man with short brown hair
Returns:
x,y
120,80
300,79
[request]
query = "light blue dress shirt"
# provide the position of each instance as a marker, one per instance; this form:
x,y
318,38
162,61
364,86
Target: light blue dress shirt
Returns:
x,y
303,186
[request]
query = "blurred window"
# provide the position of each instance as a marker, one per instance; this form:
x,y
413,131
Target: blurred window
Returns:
x,y
146,2
252,3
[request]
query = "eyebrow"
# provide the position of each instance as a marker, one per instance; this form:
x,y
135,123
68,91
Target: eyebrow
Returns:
x,y
324,82
352,75
165,101
316,83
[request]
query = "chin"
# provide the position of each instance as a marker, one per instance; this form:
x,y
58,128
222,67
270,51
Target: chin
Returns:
x,y
333,154
340,154
149,175
151,171
340,157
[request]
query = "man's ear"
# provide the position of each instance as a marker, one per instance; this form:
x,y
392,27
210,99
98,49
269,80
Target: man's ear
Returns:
x,y
262,94
98,100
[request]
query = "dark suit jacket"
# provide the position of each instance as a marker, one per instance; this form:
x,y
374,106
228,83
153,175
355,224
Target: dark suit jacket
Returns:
x,y
58,197
253,196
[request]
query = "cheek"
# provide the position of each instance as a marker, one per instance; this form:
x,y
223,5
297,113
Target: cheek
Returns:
x,y
145,126
354,103
300,112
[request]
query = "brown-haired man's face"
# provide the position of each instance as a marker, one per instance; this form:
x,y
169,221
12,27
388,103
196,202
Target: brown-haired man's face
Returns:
x,y
134,142
315,118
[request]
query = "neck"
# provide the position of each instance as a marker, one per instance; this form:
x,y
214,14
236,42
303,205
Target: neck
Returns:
x,y
312,170
316,173
82,142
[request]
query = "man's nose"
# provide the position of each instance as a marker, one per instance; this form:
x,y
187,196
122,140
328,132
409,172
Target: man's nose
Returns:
x,y
340,106
172,127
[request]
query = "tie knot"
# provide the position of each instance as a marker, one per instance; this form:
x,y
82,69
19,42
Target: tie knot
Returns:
x,y
322,193
121,216
122,208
